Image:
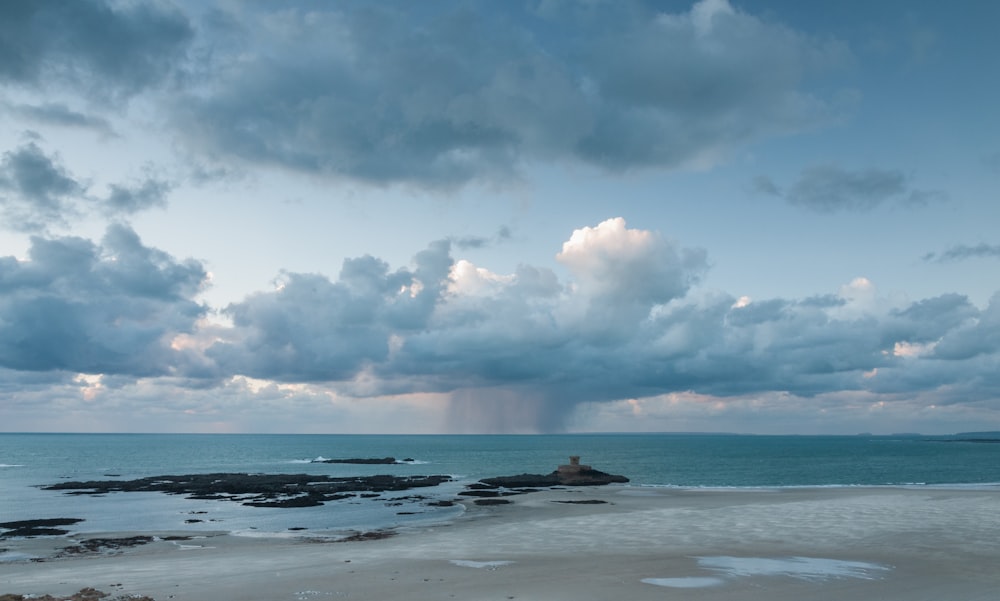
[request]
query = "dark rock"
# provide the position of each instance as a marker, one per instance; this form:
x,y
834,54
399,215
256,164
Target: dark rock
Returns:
x,y
492,501
257,490
583,502
86,594
572,474
97,545
306,500
441,504
480,493
583,477
365,536
41,527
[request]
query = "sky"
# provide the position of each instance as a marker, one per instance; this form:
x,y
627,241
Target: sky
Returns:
x,y
474,217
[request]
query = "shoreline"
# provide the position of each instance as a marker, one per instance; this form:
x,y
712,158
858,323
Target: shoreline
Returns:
x,y
636,542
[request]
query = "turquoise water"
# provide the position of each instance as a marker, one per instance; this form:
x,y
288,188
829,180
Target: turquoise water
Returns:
x,y
683,460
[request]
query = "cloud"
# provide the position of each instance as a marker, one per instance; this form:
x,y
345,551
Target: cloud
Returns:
x,y
113,308
58,114
37,190
312,329
514,352
623,272
100,47
147,194
441,95
37,193
470,242
830,188
521,351
962,252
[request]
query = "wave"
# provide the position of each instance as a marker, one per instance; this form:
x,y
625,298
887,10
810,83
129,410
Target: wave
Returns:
x,y
322,459
11,465
317,459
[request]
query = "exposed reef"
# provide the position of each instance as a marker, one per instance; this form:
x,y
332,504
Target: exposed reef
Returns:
x,y
257,490
86,594
42,527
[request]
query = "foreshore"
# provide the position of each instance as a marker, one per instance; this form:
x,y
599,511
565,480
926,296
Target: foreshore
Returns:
x,y
614,542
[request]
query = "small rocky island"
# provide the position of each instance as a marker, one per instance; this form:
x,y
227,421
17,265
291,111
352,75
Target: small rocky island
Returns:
x,y
571,474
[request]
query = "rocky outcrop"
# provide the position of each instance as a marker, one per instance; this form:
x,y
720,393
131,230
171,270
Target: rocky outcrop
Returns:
x,y
258,490
590,477
42,527
572,474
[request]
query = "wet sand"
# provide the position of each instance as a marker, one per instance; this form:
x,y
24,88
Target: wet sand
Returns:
x,y
890,544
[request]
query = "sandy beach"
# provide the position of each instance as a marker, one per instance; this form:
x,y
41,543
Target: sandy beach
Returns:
x,y
622,543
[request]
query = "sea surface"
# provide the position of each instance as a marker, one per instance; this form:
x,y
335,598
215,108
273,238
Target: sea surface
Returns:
x,y
30,461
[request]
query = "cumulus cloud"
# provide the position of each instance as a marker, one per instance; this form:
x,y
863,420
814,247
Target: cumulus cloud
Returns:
x,y
312,329
35,190
518,352
830,188
449,326
38,193
962,252
521,351
439,95
113,308
98,46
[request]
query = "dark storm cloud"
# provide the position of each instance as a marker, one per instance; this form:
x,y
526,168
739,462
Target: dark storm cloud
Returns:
x,y
35,190
962,252
830,188
439,95
91,44
111,308
37,193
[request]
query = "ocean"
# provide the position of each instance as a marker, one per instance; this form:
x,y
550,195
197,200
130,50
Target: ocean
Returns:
x,y
30,461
